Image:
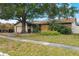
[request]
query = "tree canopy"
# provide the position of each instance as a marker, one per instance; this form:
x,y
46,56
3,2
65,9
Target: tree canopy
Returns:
x,y
24,11
21,12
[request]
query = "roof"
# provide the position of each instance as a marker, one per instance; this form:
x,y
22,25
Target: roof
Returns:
x,y
19,22
40,22
66,20
35,22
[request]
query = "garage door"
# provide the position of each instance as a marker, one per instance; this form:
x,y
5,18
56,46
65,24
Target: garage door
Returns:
x,y
18,29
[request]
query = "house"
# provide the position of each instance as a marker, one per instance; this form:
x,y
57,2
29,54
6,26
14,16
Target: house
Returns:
x,y
6,27
75,27
44,26
32,26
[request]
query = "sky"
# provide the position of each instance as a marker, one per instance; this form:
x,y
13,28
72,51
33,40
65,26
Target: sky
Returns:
x,y
76,15
76,5
73,4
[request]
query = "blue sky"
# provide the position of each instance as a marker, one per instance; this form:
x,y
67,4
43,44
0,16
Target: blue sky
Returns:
x,y
14,21
76,5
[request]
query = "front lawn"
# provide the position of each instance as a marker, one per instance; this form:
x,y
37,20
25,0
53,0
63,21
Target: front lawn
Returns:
x,y
63,39
30,49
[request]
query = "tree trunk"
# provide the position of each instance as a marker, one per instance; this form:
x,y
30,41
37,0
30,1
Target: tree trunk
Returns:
x,y
23,26
24,20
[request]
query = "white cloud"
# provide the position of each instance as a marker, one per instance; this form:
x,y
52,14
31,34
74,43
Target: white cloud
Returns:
x,y
8,21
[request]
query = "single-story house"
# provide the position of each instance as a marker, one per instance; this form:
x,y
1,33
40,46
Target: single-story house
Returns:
x,y
32,26
44,26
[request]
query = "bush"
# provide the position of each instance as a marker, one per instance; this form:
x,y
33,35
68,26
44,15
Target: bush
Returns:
x,y
53,25
62,29
50,33
65,30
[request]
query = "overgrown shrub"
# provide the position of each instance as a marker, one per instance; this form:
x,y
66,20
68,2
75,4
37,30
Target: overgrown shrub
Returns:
x,y
62,29
65,30
53,25
50,33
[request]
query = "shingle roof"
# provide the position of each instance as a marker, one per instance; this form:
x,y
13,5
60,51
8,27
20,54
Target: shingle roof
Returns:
x,y
40,22
66,20
19,22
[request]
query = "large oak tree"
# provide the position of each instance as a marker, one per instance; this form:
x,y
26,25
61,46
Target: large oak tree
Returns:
x,y
21,12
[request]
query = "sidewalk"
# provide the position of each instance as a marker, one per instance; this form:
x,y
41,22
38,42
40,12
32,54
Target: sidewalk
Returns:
x,y
3,54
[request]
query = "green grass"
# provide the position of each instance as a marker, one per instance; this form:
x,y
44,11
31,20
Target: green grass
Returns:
x,y
63,39
29,49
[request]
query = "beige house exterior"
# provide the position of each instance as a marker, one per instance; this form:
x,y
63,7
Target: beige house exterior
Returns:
x,y
18,28
43,26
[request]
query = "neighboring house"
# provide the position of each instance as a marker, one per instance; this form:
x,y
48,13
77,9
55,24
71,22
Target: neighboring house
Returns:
x,y
75,27
6,27
43,26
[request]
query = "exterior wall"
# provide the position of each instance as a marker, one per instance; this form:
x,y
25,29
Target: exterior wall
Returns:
x,y
26,28
75,28
44,27
18,28
15,29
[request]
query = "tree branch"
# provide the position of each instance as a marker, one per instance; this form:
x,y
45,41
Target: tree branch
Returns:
x,y
19,20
